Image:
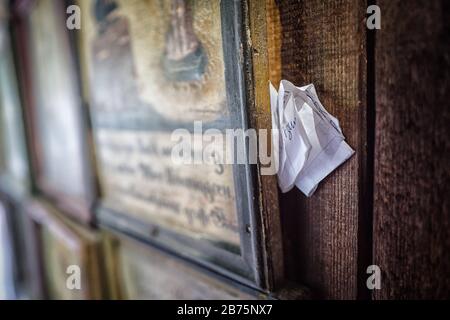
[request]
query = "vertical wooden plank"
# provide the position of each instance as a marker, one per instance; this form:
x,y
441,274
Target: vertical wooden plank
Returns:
x,y
323,42
260,118
412,177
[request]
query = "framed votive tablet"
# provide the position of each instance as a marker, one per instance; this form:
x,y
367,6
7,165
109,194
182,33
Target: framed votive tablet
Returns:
x,y
160,75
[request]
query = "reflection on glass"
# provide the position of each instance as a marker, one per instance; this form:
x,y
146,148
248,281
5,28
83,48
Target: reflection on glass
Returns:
x,y
58,102
6,280
11,123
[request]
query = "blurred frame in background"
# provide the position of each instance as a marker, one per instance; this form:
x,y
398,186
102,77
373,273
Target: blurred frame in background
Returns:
x,y
94,115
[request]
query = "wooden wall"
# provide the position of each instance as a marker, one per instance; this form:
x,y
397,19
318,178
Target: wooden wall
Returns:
x,y
388,204
323,42
412,150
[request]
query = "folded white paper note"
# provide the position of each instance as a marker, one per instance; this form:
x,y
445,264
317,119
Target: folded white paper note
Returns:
x,y
309,140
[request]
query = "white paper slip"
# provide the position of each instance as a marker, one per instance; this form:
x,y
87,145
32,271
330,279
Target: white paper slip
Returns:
x,y
310,141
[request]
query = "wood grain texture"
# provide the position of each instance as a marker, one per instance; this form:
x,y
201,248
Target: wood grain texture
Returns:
x,y
323,42
412,176
260,118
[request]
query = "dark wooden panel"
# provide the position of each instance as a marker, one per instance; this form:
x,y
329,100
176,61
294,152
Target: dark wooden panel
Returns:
x,y
323,42
412,178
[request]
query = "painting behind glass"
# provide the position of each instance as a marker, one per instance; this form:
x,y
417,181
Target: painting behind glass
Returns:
x,y
60,141
159,71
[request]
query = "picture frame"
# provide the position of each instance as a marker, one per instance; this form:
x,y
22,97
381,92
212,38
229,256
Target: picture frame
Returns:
x,y
15,180
64,244
61,154
24,249
142,272
256,258
14,163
